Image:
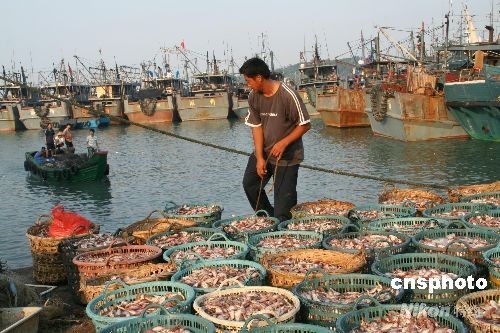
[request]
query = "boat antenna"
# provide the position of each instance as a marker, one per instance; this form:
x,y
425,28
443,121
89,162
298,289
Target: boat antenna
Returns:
x,y
326,45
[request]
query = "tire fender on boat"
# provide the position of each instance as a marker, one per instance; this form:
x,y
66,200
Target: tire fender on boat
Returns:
x,y
66,174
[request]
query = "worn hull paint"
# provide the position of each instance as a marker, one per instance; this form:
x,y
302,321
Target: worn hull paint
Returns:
x,y
162,114
344,108
28,117
204,107
9,118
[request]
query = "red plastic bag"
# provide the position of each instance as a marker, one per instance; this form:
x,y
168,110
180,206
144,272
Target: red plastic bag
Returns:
x,y
65,224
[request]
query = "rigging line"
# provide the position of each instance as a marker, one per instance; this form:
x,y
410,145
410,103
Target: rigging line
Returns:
x,y
236,151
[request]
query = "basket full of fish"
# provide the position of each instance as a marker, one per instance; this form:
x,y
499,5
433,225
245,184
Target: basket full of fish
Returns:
x,y
490,198
455,211
209,275
204,214
325,297
162,322
362,215
487,220
279,241
271,327
426,266
187,254
492,260
409,226
324,224
287,269
373,243
130,301
115,259
321,207
166,240
410,197
154,223
468,243
456,194
239,228
228,309
481,310
398,318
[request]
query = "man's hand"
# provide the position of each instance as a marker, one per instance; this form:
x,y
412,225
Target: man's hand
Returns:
x,y
278,149
261,167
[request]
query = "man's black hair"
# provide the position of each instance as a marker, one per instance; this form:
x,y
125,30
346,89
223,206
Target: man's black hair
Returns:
x,y
255,66
92,130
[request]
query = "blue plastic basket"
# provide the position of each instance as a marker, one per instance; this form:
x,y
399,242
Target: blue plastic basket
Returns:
x,y
272,327
218,263
446,208
202,220
384,211
340,222
129,293
487,198
492,213
493,268
409,226
242,236
205,232
142,323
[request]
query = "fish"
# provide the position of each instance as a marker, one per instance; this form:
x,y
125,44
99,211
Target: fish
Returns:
x,y
212,277
141,301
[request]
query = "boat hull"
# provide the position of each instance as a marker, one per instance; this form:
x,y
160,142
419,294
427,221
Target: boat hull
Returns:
x,y
163,112
343,108
309,97
9,118
414,117
476,105
94,169
29,118
205,107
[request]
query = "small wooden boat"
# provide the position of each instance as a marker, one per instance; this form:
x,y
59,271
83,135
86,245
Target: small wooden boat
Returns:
x,y
68,167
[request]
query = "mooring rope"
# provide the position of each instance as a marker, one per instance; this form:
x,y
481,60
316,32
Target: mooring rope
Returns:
x,y
232,150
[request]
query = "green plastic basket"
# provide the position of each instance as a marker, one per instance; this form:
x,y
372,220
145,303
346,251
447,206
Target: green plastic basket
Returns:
x,y
351,320
370,253
242,236
493,268
257,253
483,198
328,206
272,327
457,248
241,254
326,314
343,222
129,293
142,323
449,264
202,220
218,263
493,212
409,226
385,211
435,211
205,232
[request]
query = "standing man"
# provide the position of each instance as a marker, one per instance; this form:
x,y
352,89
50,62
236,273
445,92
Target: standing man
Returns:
x,y
68,136
49,140
278,118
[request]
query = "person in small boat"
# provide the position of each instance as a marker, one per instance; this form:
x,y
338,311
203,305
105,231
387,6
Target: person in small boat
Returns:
x,y
59,142
92,145
40,156
278,119
68,136
49,139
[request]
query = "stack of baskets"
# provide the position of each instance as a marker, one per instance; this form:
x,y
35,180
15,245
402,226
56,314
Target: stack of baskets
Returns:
x,y
48,267
213,214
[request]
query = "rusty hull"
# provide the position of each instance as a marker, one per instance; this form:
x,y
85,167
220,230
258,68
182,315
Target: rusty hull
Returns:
x,y
162,114
344,108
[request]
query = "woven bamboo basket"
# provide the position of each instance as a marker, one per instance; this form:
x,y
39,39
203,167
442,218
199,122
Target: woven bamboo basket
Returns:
x,y
93,287
494,213
455,194
202,220
458,248
490,257
383,212
206,233
236,326
342,263
321,207
165,319
332,224
128,293
351,320
420,199
138,232
466,307
409,226
258,252
242,236
106,266
492,198
219,263
327,313
271,327
463,208
48,267
449,264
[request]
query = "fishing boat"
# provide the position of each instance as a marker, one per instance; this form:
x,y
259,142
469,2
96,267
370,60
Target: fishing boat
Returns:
x,y
68,167
473,97
12,99
157,99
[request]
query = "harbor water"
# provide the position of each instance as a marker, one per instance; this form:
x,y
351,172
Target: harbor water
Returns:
x,y
148,168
